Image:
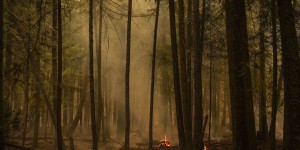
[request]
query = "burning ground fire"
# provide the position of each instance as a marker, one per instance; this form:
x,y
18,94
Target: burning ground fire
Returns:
x,y
165,143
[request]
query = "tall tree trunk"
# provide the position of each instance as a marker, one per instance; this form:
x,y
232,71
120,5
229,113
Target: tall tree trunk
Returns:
x,y
291,73
1,75
210,91
186,103
262,105
36,114
59,78
198,47
71,104
92,88
54,59
153,75
26,99
127,76
99,64
46,125
189,49
239,76
36,121
7,71
66,92
180,125
54,54
275,70
224,101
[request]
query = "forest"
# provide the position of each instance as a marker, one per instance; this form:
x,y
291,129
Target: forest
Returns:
x,y
149,75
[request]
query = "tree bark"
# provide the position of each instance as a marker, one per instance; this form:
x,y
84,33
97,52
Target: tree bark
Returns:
x,y
1,75
189,50
92,87
153,75
35,142
263,99
198,47
275,70
127,76
54,57
179,114
239,76
36,121
99,64
59,78
291,73
186,103
26,98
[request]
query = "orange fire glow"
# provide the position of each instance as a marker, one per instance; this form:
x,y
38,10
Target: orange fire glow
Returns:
x,y
164,142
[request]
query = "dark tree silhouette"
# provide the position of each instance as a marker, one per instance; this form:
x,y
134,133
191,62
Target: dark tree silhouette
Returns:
x,y
127,76
99,65
54,55
153,75
275,70
59,78
291,74
92,88
1,76
186,101
180,125
239,76
198,47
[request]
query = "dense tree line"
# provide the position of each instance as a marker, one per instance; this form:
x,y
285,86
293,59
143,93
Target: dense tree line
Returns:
x,y
213,66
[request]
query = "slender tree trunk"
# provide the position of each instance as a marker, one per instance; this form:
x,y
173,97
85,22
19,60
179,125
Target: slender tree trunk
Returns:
x,y
54,54
99,64
66,92
1,75
37,115
26,99
153,75
92,88
79,111
7,71
59,78
224,101
36,122
54,60
186,103
46,125
262,105
189,49
71,104
275,70
210,92
198,47
291,73
180,125
239,76
127,76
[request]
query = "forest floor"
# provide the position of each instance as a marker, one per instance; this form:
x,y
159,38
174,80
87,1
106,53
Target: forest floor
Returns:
x,y
85,144
82,141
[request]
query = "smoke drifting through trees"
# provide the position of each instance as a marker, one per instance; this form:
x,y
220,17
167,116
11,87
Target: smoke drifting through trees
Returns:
x,y
46,53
